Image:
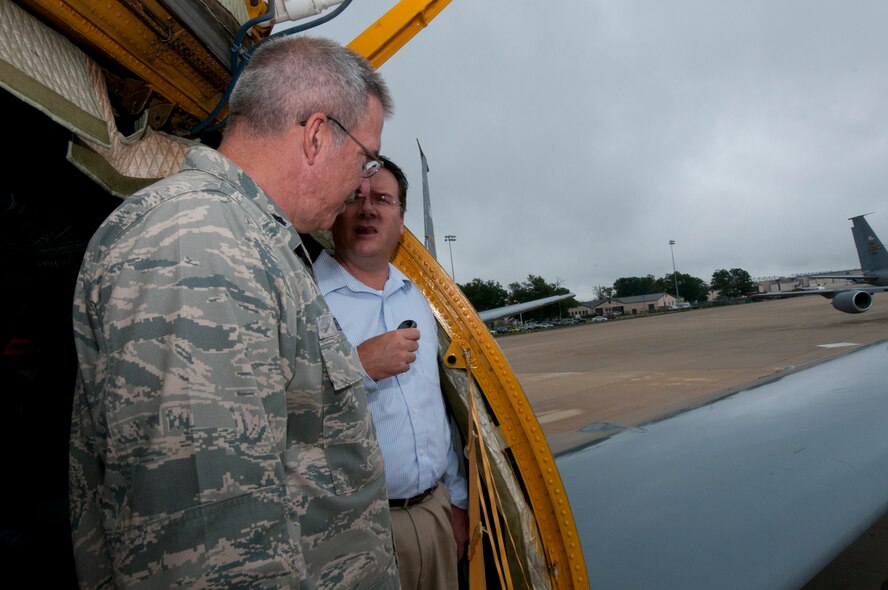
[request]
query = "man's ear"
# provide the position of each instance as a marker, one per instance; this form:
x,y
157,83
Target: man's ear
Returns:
x,y
312,137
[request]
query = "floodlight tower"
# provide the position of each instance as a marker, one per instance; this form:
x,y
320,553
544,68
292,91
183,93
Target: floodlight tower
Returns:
x,y
674,276
450,239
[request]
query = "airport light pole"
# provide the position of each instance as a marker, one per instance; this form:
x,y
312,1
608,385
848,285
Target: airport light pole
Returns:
x,y
674,276
450,239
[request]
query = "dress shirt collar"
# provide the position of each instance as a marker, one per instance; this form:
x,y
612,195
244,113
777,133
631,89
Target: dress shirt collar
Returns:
x,y
332,276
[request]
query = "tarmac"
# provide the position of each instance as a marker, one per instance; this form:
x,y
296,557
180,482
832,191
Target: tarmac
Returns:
x,y
590,381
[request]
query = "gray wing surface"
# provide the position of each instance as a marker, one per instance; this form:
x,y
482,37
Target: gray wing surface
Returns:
x,y
828,293
510,310
848,276
844,299
758,490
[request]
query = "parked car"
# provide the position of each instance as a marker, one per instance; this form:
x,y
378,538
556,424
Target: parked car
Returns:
x,y
680,305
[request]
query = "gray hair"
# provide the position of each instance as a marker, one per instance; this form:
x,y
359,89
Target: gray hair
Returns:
x,y
290,78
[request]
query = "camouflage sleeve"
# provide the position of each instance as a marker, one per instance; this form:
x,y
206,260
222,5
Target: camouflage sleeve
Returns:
x,y
176,471
85,474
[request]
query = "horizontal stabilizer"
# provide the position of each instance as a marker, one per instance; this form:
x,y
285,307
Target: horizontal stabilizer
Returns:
x,y
510,310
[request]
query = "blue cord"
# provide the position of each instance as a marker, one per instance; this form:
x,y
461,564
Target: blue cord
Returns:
x,y
238,66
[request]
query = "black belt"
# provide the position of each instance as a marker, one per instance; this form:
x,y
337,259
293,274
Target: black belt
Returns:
x,y
417,499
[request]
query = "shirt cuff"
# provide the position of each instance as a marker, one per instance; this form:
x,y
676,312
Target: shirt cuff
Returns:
x,y
369,384
460,502
458,490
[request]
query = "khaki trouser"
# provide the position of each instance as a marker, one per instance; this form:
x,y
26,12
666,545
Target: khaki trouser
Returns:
x,y
424,544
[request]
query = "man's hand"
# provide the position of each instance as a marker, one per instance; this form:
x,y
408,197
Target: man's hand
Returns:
x,y
389,354
460,521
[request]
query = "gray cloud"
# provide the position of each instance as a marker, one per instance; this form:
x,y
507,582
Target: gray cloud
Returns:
x,y
575,139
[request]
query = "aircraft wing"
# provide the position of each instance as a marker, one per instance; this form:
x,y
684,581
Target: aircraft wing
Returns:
x,y
845,299
758,490
828,293
510,310
850,277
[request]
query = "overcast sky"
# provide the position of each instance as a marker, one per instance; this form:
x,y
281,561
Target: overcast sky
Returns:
x,y
574,139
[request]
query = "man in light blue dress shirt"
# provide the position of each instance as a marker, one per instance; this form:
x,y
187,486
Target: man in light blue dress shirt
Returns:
x,y
371,299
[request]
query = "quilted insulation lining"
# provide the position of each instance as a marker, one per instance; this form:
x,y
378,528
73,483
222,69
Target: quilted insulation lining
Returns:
x,y
48,72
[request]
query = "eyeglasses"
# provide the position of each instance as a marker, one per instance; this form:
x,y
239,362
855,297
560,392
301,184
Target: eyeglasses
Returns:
x,y
375,200
372,165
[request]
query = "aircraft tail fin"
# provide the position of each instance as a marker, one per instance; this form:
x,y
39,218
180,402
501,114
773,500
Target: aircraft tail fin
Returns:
x,y
427,205
869,247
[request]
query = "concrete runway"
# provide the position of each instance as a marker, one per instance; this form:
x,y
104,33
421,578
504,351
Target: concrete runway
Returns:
x,y
588,381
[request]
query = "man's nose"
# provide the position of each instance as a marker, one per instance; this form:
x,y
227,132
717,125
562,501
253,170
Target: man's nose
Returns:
x,y
368,209
364,187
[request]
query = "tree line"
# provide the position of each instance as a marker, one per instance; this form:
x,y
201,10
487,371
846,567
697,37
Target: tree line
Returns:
x,y
729,284
484,295
491,294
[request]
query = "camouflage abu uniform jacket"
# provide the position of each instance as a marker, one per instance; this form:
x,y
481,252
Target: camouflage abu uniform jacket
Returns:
x,y
220,434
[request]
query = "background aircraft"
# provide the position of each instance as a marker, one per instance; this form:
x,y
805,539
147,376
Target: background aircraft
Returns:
x,y
874,271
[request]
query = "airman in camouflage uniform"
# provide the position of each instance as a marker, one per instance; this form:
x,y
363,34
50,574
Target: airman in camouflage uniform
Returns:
x,y
220,436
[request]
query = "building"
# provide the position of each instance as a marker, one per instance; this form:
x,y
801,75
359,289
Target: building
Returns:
x,y
798,282
584,309
635,305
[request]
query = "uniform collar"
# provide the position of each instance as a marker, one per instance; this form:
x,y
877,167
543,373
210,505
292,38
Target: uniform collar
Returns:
x,y
214,163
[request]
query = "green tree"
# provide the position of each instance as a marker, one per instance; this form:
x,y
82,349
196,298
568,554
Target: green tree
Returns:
x,y
690,288
602,292
630,286
485,294
536,287
731,283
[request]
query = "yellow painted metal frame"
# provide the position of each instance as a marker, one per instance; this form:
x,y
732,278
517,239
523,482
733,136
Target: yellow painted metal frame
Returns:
x,y
461,323
402,22
510,406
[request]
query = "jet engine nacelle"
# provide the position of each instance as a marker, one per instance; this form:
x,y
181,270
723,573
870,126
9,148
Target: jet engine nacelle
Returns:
x,y
852,301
